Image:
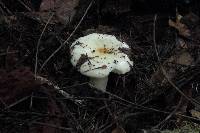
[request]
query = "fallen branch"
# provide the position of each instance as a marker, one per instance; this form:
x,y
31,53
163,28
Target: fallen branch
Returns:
x,y
57,88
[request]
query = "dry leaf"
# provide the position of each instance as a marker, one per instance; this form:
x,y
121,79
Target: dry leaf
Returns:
x,y
183,30
64,9
183,58
16,84
118,129
195,113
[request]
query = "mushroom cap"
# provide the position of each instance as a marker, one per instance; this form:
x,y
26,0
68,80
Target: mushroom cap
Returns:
x,y
96,55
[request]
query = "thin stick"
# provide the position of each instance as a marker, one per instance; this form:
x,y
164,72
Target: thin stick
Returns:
x,y
57,88
53,126
28,8
170,115
3,5
17,102
66,41
38,45
148,108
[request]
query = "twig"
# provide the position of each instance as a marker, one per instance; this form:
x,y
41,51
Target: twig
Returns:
x,y
66,41
33,114
17,102
148,108
14,52
58,89
75,85
44,80
170,115
135,104
51,125
28,8
3,5
38,44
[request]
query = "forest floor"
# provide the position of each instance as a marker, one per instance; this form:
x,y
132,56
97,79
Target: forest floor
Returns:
x,y
41,92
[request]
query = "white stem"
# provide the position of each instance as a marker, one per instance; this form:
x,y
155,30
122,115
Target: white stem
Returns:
x,y
99,83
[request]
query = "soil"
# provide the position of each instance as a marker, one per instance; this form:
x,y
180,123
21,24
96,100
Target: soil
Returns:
x,y
131,102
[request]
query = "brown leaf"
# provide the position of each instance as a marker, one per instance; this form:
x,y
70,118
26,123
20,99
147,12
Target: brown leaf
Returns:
x,y
183,30
47,5
16,84
118,129
64,9
182,58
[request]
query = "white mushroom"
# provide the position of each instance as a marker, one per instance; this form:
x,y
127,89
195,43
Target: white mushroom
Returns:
x,y
96,55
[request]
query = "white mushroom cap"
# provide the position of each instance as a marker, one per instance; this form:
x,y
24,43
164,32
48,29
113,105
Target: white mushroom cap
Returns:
x,y
96,55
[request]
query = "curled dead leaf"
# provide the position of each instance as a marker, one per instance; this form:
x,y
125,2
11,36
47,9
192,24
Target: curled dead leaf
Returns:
x,y
182,28
119,129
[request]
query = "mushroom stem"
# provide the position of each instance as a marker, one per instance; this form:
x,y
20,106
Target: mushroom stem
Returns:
x,y
99,83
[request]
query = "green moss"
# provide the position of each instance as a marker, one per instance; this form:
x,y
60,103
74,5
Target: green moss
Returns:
x,y
187,128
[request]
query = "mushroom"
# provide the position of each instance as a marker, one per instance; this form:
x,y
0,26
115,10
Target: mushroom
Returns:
x,y
96,55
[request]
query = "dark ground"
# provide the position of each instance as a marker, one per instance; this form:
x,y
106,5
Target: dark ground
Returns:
x,y
131,102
